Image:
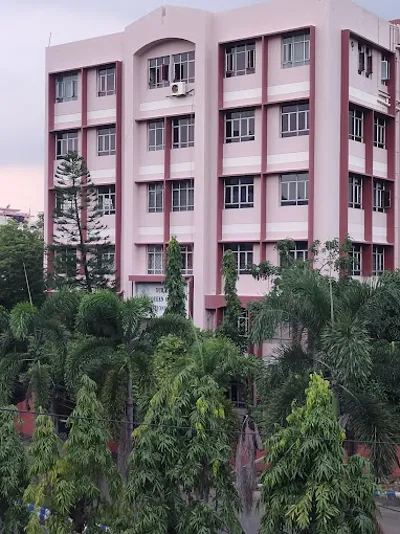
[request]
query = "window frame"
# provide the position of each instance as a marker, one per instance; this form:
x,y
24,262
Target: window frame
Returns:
x,y
181,189
155,190
379,196
157,125
241,251
380,132
184,68
288,49
356,124
61,83
355,192
67,254
64,204
179,126
239,187
187,259
106,76
109,252
62,143
300,200
106,193
154,252
378,260
243,120
106,135
233,54
293,110
158,70
356,256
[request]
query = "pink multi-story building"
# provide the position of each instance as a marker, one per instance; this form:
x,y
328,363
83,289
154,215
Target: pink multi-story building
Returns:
x,y
234,130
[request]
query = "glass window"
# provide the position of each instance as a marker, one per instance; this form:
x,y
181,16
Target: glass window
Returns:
x,y
356,257
106,141
159,72
183,195
187,259
155,195
243,253
380,200
239,192
183,132
155,259
66,87
66,142
355,191
356,125
379,132
294,189
155,135
296,50
65,259
184,65
64,204
106,81
240,59
106,199
378,260
106,258
295,119
239,126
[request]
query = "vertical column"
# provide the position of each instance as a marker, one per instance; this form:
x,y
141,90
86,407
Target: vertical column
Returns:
x,y
51,149
311,148
118,173
344,136
368,184
167,179
264,148
220,156
391,165
367,260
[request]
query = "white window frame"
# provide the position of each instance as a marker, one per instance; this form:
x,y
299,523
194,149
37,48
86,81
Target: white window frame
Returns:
x,y
159,72
187,259
155,197
356,125
241,125
378,260
106,81
379,198
239,192
153,127
183,132
65,259
298,253
155,259
66,142
385,70
245,52
244,321
182,195
292,44
356,257
355,192
244,253
294,189
183,65
107,258
106,199
380,125
66,87
64,204
106,139
292,115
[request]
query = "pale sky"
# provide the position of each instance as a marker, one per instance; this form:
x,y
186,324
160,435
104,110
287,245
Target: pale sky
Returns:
x,y
25,29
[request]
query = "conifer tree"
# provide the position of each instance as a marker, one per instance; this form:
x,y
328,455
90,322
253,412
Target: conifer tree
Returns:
x,y
82,252
174,281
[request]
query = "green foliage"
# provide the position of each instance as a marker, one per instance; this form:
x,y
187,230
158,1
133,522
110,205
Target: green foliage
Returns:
x,y
174,282
88,249
13,475
308,487
20,246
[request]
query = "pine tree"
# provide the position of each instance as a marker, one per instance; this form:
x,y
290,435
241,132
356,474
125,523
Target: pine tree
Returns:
x,y
174,281
82,252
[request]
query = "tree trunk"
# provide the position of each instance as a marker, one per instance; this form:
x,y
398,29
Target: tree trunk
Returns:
x,y
125,438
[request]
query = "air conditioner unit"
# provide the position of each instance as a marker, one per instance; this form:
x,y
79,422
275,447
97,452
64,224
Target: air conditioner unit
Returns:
x,y
178,89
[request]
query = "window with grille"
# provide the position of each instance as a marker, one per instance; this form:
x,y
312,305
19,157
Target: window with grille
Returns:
x,y
64,204
159,72
155,135
187,259
355,191
106,258
378,260
183,195
106,141
65,259
365,61
155,196
356,125
239,192
244,322
379,132
66,142
239,126
106,199
184,66
294,189
356,260
243,253
240,59
299,252
106,81
295,119
155,259
183,132
66,87
296,50
381,194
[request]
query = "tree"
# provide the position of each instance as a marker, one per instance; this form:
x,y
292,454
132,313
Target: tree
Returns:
x,y
82,255
21,265
13,475
174,281
308,487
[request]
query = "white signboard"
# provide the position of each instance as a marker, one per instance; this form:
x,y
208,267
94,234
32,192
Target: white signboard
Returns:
x,y
158,295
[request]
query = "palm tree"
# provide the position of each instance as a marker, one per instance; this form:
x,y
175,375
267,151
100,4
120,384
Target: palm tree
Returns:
x,y
333,330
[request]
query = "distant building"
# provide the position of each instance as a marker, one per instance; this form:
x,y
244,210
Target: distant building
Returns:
x,y
7,214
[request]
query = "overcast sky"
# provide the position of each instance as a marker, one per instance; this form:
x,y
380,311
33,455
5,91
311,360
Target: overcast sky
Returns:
x,y
24,34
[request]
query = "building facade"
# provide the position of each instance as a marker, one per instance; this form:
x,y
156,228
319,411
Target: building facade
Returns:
x,y
10,214
234,130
